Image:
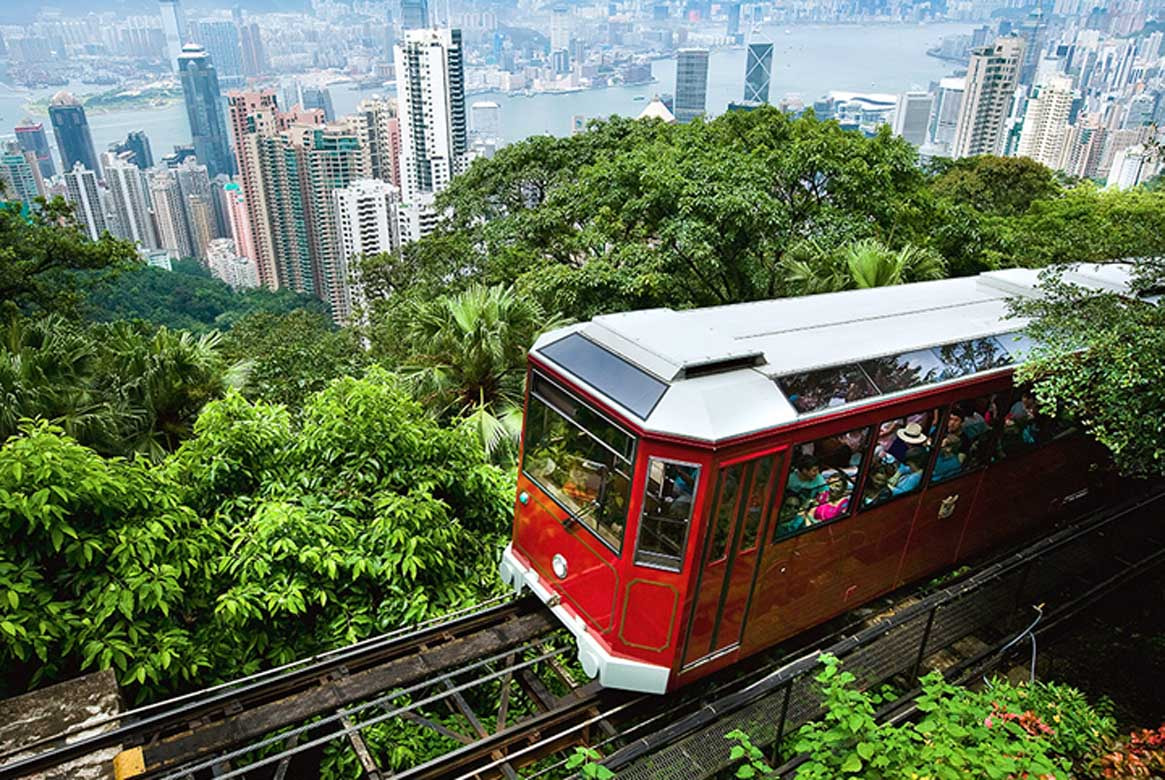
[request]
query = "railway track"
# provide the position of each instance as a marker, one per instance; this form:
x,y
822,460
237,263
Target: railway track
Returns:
x,y
278,723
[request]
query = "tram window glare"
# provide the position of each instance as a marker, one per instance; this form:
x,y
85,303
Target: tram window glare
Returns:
x,y
579,458
969,357
821,480
910,369
633,388
727,493
826,387
669,494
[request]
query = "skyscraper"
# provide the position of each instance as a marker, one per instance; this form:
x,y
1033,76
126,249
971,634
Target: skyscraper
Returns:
x,y
240,223
135,149
131,207
84,192
174,26
170,214
20,175
434,137
254,53
758,72
691,84
382,128
71,128
255,116
1045,122
220,38
733,27
1131,166
992,76
318,97
31,137
944,117
204,110
912,116
414,14
227,264
559,28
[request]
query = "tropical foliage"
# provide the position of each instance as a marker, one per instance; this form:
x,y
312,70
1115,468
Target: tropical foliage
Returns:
x,y
258,541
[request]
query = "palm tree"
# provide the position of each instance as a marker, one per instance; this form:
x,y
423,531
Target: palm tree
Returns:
x,y
809,268
467,357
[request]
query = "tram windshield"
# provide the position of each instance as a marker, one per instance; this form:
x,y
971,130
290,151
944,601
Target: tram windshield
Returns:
x,y
580,458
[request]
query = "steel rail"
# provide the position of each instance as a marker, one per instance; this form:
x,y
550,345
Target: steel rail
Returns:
x,y
370,655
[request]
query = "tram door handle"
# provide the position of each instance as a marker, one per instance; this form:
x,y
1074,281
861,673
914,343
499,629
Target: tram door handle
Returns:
x,y
946,507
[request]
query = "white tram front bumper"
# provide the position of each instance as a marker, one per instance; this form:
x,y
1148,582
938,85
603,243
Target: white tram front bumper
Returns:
x,y
613,672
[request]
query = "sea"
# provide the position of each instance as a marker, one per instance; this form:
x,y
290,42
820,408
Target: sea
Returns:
x,y
808,61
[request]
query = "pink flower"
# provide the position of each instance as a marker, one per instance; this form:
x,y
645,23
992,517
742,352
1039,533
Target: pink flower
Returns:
x,y
987,721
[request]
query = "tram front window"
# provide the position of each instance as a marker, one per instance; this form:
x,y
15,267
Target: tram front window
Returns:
x,y
580,458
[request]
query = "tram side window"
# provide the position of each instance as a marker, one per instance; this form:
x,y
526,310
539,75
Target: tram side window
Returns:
x,y
901,453
667,512
1026,426
821,481
968,437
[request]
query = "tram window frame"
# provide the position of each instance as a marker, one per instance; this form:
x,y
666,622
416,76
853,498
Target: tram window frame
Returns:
x,y
1016,395
924,479
627,454
656,561
795,454
990,436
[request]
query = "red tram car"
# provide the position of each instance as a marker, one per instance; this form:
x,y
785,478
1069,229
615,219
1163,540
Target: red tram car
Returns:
x,y
696,486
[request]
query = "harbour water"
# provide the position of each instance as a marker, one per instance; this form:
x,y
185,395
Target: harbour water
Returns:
x,y
808,60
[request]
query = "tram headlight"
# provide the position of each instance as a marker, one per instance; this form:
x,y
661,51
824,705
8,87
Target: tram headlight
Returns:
x,y
558,563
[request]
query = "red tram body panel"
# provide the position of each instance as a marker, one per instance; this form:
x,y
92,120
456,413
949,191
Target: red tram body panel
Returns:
x,y
678,514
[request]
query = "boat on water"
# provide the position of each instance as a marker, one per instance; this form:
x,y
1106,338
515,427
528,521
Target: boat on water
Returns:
x,y
639,97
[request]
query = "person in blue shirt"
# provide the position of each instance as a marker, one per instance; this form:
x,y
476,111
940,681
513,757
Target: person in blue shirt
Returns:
x,y
911,479
949,462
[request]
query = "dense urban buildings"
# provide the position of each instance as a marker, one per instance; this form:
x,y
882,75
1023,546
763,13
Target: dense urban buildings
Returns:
x,y
992,77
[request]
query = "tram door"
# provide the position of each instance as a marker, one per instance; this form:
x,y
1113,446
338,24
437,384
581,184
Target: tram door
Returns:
x,y
736,527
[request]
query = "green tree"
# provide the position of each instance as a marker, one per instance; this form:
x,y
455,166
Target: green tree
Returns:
x,y
1000,186
41,252
859,265
290,356
1101,362
465,357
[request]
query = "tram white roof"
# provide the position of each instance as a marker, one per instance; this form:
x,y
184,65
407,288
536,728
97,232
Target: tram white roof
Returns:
x,y
719,363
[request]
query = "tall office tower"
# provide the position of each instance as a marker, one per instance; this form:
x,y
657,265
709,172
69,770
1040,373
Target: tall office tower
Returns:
x,y
1141,109
1132,166
485,119
31,137
733,28
414,14
254,52
174,26
912,116
20,174
83,191
382,127
71,128
334,157
992,76
170,214
204,110
691,84
240,223
227,264
758,72
367,224
1045,122
559,28
944,116
137,142
129,189
318,97
434,138
220,38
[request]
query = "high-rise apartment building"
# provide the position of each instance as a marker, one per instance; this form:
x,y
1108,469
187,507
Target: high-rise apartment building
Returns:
x,y
20,175
240,224
434,137
129,193
944,116
204,110
174,26
1132,166
170,214
912,116
71,128
253,117
758,72
691,84
992,76
559,27
366,224
84,192
31,137
1045,122
414,14
227,264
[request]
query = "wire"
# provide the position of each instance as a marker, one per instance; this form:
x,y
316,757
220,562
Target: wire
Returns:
x,y
1028,632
